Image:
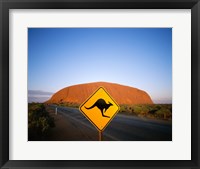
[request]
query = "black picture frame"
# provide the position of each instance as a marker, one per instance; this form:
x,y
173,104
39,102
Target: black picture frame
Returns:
x,y
5,5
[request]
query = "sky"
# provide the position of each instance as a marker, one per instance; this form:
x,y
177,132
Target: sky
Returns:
x,y
137,57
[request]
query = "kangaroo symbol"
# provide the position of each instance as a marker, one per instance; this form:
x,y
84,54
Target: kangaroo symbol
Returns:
x,y
101,105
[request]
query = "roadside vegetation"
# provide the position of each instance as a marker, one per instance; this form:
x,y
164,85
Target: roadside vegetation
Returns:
x,y
39,122
153,111
68,104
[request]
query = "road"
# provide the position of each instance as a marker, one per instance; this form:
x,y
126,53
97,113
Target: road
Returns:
x,y
124,127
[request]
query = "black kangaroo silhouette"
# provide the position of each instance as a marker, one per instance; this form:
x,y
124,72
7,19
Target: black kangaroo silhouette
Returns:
x,y
101,105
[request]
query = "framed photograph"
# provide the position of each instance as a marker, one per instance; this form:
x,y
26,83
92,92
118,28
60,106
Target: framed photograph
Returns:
x,y
99,84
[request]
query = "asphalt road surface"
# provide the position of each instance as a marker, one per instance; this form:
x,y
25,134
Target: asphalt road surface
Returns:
x,y
124,127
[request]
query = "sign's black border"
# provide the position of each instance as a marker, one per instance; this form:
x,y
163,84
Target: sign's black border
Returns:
x,y
5,5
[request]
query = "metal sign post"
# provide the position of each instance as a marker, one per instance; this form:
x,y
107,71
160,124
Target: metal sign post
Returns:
x,y
100,136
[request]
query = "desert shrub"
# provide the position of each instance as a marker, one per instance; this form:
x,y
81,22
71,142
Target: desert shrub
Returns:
x,y
68,104
152,111
137,109
164,113
123,108
155,111
39,122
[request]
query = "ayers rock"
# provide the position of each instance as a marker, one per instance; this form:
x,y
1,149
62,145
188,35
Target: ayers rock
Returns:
x,y
77,94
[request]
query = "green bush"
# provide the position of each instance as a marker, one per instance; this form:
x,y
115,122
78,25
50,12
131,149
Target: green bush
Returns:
x,y
157,111
68,104
39,121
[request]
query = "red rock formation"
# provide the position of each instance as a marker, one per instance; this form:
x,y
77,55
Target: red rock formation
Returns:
x,y
77,94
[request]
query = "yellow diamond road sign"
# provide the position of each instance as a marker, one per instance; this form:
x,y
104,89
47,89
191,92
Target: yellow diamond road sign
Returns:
x,y
100,108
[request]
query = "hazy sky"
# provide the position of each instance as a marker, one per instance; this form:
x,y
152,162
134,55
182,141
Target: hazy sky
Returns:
x,y
141,58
